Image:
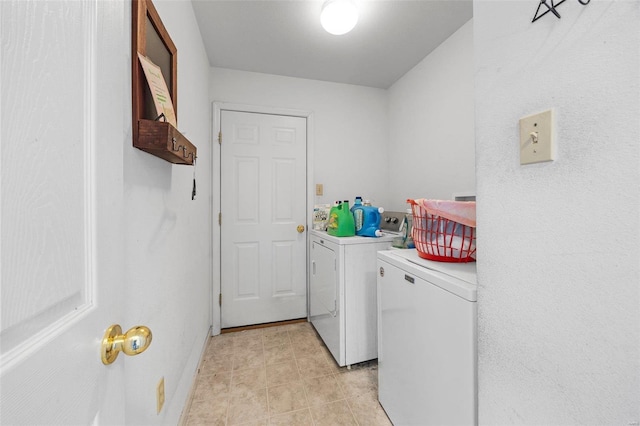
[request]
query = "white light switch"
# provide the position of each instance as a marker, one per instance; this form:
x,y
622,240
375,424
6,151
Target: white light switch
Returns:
x,y
537,138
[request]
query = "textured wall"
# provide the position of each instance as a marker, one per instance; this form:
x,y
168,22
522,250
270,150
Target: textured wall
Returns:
x,y
558,267
431,133
350,126
168,239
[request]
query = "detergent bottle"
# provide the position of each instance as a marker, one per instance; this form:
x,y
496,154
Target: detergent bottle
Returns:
x,y
332,223
341,221
367,220
356,203
356,211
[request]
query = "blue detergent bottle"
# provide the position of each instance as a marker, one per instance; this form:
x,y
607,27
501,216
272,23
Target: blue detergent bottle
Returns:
x,y
357,213
367,220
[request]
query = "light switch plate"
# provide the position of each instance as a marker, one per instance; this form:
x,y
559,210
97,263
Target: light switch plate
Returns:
x,y
537,142
319,189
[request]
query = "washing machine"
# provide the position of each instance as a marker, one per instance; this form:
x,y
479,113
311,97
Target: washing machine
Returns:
x,y
343,292
427,341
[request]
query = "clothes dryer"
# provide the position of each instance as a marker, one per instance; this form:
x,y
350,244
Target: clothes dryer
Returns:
x,y
427,349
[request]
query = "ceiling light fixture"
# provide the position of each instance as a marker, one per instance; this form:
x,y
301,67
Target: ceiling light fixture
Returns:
x,y
338,16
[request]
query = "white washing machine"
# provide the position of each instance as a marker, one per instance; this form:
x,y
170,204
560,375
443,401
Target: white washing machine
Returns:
x,y
427,341
343,291
342,294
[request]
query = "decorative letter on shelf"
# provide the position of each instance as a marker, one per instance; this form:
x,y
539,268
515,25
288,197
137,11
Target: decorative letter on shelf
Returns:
x,y
152,132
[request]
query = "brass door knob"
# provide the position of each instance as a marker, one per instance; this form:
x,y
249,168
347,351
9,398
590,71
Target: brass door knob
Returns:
x,y
136,340
300,229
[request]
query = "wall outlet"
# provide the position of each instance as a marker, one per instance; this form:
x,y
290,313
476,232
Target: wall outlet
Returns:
x,y
319,189
160,395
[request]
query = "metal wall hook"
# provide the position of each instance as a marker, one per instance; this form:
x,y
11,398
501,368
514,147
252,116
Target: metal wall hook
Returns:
x,y
551,7
187,155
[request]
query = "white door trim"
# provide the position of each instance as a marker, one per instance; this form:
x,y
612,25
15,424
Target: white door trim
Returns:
x,y
218,107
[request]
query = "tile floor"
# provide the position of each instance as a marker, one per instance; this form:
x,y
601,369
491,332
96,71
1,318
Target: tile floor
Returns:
x,y
282,375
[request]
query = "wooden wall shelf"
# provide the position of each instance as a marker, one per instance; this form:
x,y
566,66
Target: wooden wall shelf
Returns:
x,y
151,39
165,141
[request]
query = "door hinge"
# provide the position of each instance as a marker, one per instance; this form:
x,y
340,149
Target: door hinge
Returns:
x,y
220,299
219,138
219,218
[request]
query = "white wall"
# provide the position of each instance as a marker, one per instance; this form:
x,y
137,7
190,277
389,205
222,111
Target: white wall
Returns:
x,y
350,127
558,271
431,124
168,239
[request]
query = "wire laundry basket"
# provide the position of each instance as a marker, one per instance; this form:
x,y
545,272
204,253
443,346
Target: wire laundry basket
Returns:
x,y
440,238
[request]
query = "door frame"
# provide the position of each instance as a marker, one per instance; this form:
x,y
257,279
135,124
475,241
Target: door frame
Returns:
x,y
216,180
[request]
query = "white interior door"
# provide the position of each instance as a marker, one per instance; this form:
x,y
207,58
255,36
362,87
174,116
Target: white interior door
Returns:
x,y
263,201
63,85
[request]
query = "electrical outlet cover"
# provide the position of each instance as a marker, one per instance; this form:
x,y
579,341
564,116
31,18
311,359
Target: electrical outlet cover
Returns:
x,y
537,138
160,395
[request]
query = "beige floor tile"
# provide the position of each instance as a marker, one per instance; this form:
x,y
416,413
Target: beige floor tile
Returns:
x,y
294,418
281,373
305,329
301,375
207,413
306,340
335,413
301,332
249,378
277,354
306,348
333,365
246,394
218,351
322,390
275,329
359,382
245,351
262,422
325,350
248,359
315,365
217,363
220,342
299,326
367,411
286,398
213,386
243,391
247,338
304,335
249,408
275,339
247,334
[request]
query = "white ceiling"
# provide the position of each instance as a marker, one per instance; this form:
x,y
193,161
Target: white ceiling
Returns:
x,y
284,37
